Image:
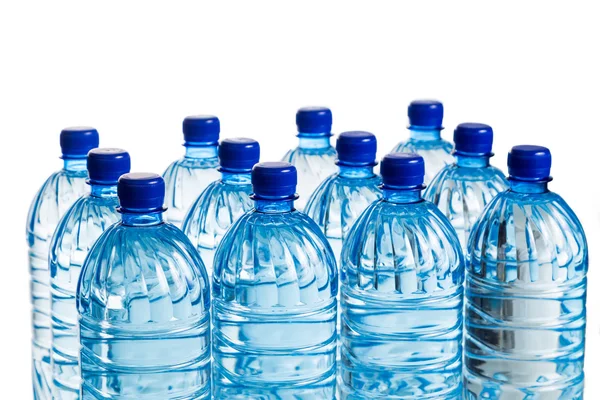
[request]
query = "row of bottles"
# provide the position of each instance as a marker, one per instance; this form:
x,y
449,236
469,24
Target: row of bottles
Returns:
x,y
363,294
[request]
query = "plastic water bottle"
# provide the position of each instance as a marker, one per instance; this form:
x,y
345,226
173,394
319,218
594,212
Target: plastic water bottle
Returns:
x,y
343,196
143,302
274,299
425,126
402,294
314,158
77,231
54,198
526,290
225,200
462,189
186,178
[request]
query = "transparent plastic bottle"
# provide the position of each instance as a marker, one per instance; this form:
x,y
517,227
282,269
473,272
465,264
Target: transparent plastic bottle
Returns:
x,y
343,196
274,299
186,178
526,290
314,158
425,127
461,190
224,200
54,198
402,295
75,234
143,302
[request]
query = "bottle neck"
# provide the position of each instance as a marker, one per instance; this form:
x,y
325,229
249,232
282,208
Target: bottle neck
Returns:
x,y
425,134
519,186
318,142
75,164
356,172
236,178
201,152
472,161
105,191
140,219
274,206
402,196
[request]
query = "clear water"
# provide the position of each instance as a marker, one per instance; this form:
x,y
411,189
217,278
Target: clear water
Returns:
x,y
185,180
143,303
274,308
54,198
436,152
213,213
462,190
402,303
77,231
314,159
526,292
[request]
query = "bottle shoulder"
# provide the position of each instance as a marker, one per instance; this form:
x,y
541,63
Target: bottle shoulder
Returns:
x,y
416,146
54,198
414,240
275,249
216,209
339,198
416,226
300,154
518,226
190,165
152,271
487,181
81,225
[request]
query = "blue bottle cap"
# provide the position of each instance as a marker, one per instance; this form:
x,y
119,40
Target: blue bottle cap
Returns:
x,y
356,148
473,139
201,129
529,163
314,121
77,141
238,155
274,181
403,171
425,114
105,166
141,192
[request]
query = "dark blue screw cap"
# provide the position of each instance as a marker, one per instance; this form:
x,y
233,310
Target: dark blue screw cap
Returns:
x,y
201,129
105,166
141,192
403,171
529,163
274,181
314,121
426,114
238,155
356,148
473,139
77,141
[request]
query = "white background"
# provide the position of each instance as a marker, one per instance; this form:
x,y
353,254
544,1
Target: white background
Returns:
x,y
134,69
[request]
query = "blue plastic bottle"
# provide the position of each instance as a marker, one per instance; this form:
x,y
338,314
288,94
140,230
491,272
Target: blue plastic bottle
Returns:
x,y
526,290
143,302
425,126
343,196
54,198
186,178
75,234
402,294
314,158
461,190
225,200
274,299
